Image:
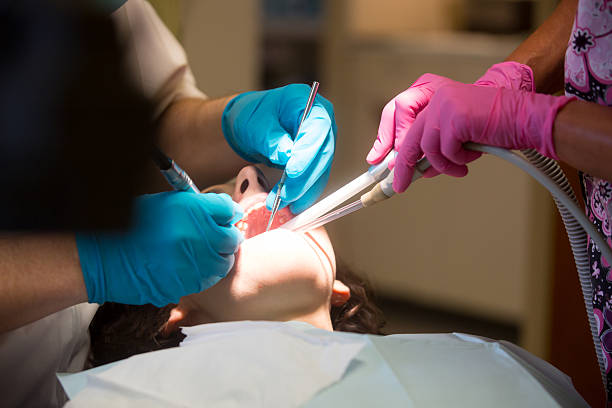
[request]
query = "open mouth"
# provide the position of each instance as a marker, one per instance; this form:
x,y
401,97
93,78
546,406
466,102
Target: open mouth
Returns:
x,y
256,216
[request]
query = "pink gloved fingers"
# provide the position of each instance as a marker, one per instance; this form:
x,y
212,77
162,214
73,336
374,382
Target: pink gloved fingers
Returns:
x,y
431,146
409,153
403,175
508,74
452,148
443,135
392,163
431,143
445,166
400,113
430,173
408,105
396,118
386,135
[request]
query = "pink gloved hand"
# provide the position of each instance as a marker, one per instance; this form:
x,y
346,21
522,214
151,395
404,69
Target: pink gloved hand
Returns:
x,y
401,112
459,113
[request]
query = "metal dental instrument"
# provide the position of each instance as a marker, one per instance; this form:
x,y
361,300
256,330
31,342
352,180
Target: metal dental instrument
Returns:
x,y
281,183
382,191
176,177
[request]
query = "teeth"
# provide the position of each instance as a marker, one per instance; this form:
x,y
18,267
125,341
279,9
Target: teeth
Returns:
x,y
243,225
255,207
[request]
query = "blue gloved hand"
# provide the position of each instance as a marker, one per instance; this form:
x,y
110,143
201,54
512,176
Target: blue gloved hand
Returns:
x,y
261,127
180,243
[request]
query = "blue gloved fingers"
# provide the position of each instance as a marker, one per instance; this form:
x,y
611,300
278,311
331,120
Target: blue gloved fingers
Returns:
x,y
313,137
316,143
304,190
219,272
238,213
271,197
221,239
228,261
310,196
291,102
295,187
226,240
221,207
279,146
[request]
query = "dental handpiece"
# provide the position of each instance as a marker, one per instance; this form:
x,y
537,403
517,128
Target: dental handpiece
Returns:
x,y
176,177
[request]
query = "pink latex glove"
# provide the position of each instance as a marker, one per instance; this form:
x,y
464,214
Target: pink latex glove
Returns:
x,y
459,113
508,74
401,112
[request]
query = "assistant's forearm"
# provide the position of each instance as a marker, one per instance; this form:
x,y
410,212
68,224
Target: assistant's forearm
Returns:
x,y
190,133
583,137
544,50
41,274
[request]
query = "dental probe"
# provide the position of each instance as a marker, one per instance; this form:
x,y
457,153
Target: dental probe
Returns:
x,y
281,183
176,177
382,191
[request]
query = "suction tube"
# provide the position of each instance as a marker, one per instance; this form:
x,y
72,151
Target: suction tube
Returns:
x,y
578,241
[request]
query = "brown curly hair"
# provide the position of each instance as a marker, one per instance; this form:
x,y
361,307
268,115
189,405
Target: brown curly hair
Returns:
x,y
119,331
359,314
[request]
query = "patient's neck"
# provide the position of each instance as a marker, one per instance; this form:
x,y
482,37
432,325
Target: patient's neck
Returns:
x,y
318,318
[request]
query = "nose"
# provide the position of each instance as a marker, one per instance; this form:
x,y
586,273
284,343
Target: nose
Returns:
x,y
249,181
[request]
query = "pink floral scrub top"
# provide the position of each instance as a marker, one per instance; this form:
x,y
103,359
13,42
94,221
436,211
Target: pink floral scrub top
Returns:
x,y
588,76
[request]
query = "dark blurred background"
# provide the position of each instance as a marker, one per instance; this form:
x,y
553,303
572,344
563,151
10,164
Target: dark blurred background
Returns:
x,y
74,133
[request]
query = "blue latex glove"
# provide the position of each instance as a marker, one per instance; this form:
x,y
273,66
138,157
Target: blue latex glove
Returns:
x,y
261,126
180,243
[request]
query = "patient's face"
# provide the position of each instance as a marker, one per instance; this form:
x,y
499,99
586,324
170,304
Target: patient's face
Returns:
x,y
278,275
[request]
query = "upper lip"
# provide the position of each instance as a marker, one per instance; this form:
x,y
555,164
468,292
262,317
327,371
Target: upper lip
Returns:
x,y
250,201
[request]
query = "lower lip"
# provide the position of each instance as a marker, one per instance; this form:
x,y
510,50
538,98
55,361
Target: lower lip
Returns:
x,y
256,220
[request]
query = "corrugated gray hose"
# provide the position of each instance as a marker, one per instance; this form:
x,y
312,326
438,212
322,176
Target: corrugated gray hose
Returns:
x,y
548,173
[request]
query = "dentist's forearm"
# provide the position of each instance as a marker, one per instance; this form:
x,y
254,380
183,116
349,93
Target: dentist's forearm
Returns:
x,y
190,133
582,135
544,50
41,274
